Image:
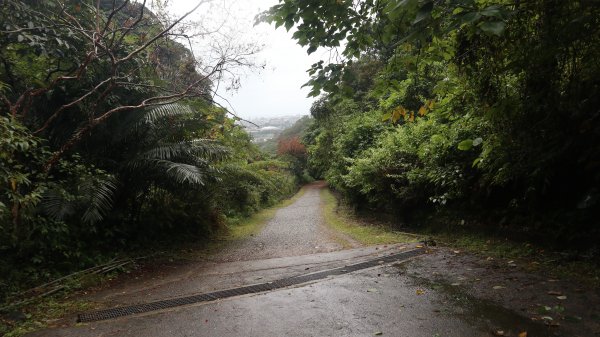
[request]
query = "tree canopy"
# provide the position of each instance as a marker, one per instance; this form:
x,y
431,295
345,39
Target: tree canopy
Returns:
x,y
482,108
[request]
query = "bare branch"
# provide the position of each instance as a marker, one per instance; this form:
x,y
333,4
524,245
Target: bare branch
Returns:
x,y
162,33
113,12
72,103
152,101
132,25
234,114
142,85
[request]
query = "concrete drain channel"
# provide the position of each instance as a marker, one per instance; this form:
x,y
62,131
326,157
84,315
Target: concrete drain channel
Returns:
x,y
251,289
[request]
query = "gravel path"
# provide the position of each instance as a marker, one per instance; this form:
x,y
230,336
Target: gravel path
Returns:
x,y
297,229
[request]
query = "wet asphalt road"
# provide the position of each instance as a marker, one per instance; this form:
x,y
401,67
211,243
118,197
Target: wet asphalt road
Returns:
x,y
388,300
366,303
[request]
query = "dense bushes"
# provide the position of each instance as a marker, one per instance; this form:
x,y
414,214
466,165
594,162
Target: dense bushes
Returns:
x,y
248,188
484,109
78,214
113,142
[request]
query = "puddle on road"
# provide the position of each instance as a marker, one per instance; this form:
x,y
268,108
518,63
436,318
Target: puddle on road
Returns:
x,y
488,316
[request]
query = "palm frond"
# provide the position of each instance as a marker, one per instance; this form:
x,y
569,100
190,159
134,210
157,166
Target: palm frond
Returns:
x,y
160,169
97,195
157,113
210,149
184,173
92,198
58,204
203,148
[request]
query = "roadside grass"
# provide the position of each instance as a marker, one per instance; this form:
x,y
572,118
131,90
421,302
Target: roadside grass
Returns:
x,y
44,312
529,256
341,219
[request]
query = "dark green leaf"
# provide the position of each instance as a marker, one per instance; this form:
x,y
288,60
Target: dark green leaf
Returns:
x,y
469,18
465,145
493,27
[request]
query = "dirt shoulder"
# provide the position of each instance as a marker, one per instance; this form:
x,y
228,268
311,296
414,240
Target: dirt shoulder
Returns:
x,y
566,307
492,274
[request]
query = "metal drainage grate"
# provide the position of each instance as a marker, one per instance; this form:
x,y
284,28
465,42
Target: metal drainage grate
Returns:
x,y
252,289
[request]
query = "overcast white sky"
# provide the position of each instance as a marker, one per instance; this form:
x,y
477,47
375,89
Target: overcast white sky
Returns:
x,y
276,90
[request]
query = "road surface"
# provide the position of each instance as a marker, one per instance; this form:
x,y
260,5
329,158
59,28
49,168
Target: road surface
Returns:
x,y
443,293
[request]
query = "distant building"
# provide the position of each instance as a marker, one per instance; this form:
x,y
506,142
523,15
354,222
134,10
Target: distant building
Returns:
x,y
269,127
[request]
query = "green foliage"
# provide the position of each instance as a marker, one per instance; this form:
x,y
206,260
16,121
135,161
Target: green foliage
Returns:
x,y
298,129
45,218
19,193
288,147
250,187
374,27
483,107
341,218
79,185
417,164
